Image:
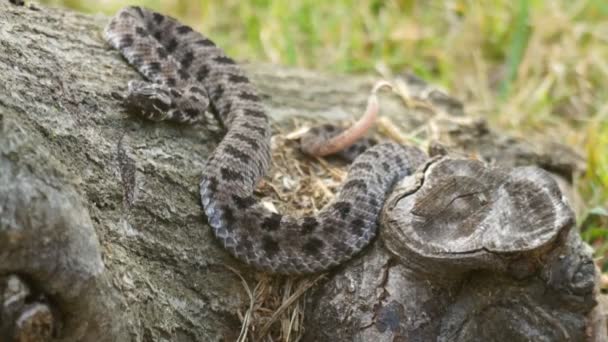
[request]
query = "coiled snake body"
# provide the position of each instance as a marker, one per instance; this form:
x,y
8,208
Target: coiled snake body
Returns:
x,y
188,75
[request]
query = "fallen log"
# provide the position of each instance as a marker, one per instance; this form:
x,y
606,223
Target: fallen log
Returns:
x,y
102,237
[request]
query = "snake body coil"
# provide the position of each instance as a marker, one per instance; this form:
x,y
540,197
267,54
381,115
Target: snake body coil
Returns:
x,y
187,75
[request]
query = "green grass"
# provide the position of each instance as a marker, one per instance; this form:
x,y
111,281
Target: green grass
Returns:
x,y
535,68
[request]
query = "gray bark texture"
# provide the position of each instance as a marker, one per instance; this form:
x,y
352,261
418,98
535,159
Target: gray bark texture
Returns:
x,y
102,237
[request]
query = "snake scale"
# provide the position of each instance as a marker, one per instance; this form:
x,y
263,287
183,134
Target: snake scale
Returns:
x,y
187,74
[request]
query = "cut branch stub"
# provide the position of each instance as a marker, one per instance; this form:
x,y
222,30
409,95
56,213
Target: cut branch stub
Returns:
x,y
455,215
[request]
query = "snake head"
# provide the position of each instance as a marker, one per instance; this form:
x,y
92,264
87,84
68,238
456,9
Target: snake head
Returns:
x,y
150,100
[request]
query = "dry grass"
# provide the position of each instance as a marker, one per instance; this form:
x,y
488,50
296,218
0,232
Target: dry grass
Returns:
x,y
276,307
534,68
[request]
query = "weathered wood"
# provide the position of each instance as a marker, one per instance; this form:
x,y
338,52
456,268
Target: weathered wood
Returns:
x,y
100,218
459,214
489,234
471,253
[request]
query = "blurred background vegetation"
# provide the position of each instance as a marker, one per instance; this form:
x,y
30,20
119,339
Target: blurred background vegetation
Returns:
x,y
533,68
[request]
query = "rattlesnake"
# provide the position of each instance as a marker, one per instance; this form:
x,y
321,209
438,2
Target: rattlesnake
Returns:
x,y
188,74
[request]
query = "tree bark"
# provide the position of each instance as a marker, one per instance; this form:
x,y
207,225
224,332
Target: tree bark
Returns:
x,y
102,237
